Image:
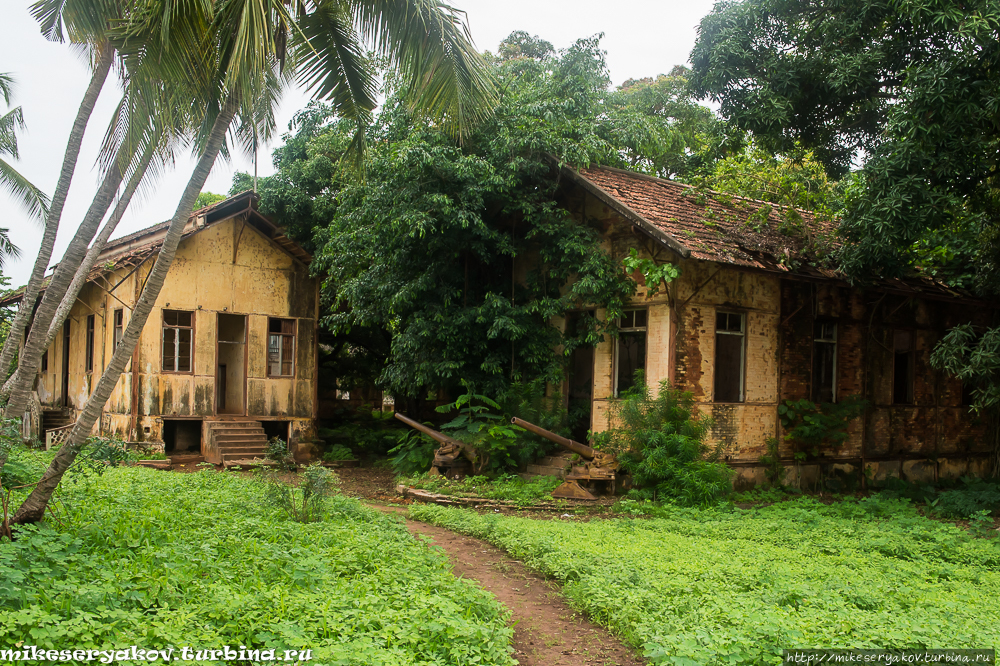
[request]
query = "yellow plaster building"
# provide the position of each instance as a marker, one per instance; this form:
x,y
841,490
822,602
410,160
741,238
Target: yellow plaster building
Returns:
x,y
228,355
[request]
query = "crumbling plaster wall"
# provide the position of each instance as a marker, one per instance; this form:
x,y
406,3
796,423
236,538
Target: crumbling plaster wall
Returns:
x,y
208,278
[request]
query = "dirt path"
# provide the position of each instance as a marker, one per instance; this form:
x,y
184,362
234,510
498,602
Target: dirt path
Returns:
x,y
547,632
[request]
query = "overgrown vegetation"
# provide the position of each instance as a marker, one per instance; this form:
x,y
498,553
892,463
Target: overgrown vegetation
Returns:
x,y
149,558
484,423
507,487
304,502
660,441
712,586
810,427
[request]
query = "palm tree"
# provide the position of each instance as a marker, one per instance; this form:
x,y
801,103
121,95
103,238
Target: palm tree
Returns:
x,y
26,194
239,61
102,56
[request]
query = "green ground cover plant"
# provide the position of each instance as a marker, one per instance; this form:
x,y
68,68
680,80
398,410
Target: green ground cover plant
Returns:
x,y
204,559
727,586
508,487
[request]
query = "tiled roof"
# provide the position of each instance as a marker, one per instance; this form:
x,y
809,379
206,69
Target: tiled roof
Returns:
x,y
703,224
718,227
136,247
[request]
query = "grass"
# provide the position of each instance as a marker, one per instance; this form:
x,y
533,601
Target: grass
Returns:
x,y
509,487
726,586
156,559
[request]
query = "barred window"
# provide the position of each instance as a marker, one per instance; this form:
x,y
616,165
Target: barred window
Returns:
x,y
280,347
178,334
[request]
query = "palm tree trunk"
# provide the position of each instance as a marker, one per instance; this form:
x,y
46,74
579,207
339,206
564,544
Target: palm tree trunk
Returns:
x,y
10,347
82,273
33,508
31,354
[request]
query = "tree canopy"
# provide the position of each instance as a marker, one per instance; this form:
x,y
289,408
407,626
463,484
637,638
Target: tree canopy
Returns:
x,y
418,256
910,91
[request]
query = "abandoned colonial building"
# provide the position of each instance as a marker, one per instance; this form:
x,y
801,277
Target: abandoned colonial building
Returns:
x,y
749,324
228,355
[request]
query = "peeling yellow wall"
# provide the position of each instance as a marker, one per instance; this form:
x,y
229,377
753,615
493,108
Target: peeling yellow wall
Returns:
x,y
207,277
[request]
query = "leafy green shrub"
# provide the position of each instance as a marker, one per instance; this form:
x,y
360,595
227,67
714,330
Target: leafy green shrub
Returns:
x,y
306,502
490,433
963,503
338,452
727,586
414,453
368,431
165,560
277,452
811,426
661,442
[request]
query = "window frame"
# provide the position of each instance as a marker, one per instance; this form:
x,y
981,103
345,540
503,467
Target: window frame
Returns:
x,y
88,362
835,341
742,333
617,346
118,324
163,328
294,335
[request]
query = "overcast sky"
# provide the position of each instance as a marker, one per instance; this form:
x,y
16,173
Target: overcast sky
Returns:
x,y
641,37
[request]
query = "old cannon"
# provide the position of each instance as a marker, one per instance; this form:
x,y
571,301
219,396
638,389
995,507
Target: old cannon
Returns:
x,y
453,458
599,467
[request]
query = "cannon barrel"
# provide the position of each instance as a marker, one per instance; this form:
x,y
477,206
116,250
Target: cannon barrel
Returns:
x,y
576,447
434,434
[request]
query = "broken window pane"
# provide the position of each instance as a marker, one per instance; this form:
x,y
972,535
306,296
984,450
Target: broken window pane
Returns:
x,y
729,353
824,378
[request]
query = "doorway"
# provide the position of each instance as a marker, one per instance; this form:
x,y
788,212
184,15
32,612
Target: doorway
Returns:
x,y
231,377
580,376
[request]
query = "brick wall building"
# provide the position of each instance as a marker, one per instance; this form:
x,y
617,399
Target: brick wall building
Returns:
x,y
750,323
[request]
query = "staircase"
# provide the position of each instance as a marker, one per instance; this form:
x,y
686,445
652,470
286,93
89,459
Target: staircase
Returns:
x,y
554,465
55,418
236,441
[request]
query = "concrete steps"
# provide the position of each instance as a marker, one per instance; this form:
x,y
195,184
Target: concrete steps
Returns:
x,y
237,440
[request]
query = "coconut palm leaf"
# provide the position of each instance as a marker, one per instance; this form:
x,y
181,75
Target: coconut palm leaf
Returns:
x,y
34,202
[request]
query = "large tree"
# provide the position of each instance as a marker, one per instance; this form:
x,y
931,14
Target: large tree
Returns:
x,y
909,91
418,257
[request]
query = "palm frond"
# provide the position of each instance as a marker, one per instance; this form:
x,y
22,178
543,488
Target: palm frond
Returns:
x,y
7,248
29,197
429,45
7,87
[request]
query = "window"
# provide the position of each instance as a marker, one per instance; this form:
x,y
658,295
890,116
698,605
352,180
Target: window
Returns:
x,y
45,360
90,343
280,347
178,333
631,347
119,325
730,333
902,367
824,379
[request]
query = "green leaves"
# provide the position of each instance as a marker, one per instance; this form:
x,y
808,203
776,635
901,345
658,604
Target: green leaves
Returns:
x,y
724,586
200,559
654,274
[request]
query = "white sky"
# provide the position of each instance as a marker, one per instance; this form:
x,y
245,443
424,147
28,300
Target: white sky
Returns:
x,y
642,38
